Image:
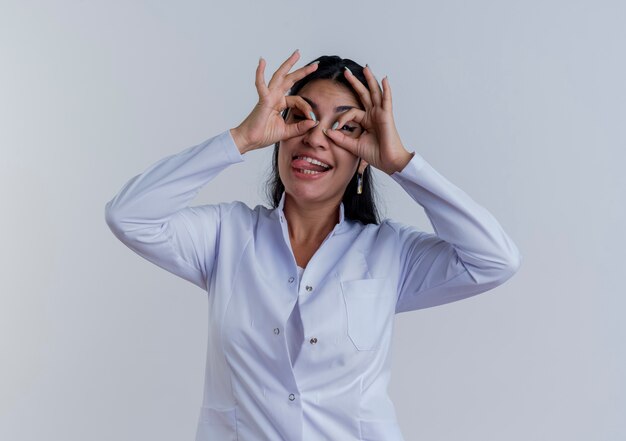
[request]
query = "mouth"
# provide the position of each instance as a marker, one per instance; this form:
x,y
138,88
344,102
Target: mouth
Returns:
x,y
307,166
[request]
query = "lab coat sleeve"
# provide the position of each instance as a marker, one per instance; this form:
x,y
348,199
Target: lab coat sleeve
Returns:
x,y
150,214
469,253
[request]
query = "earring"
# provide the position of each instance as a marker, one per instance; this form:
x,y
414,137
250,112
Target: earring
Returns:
x,y
359,183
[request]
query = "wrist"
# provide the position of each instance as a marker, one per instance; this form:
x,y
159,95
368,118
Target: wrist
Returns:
x,y
240,141
402,162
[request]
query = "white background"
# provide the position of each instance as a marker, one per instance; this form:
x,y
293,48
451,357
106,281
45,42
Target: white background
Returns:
x,y
521,104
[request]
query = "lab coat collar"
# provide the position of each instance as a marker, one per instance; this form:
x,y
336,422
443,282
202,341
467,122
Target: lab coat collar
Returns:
x,y
281,213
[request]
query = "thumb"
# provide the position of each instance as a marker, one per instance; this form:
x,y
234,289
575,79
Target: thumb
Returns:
x,y
299,128
343,141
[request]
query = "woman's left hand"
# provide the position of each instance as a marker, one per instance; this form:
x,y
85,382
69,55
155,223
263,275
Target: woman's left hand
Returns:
x,y
379,144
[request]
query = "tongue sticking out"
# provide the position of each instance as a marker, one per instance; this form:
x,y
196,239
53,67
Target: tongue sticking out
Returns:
x,y
301,163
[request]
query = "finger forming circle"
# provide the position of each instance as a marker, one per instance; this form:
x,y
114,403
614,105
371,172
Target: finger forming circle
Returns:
x,y
299,103
356,115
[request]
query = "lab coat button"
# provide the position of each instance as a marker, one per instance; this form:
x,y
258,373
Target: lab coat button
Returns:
x,y
291,279
276,331
292,397
313,341
309,288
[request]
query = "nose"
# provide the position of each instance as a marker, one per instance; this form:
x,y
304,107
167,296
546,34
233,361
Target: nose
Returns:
x,y
316,138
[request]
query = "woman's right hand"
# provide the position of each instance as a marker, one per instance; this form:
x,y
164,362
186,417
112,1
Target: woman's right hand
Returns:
x,y
265,125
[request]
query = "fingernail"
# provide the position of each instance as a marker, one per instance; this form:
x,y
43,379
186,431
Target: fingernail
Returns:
x,y
348,70
316,62
335,125
324,130
295,51
312,115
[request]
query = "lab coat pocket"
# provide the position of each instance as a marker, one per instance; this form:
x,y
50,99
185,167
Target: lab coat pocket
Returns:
x,y
380,430
217,424
369,308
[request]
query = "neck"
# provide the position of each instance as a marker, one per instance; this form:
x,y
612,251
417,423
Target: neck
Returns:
x,y
311,222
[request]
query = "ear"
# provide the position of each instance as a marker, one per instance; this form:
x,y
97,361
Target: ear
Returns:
x,y
362,165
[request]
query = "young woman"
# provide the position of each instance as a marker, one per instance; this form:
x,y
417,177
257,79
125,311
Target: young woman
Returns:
x,y
302,296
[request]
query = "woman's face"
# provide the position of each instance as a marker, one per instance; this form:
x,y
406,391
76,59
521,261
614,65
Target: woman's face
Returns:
x,y
328,99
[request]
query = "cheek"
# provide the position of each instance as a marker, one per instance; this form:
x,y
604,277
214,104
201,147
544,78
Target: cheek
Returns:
x,y
282,169
284,161
281,154
352,162
349,171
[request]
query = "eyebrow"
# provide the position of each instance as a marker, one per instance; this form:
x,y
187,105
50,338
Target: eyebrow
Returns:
x,y
338,109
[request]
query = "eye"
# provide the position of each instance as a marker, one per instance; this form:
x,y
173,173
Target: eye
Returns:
x,y
345,127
